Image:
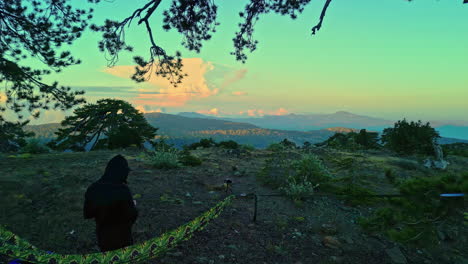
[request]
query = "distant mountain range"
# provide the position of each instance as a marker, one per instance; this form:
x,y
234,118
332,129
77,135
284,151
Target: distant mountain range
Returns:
x,y
307,122
186,128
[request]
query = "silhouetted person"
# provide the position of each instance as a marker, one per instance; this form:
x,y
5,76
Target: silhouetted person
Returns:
x,y
110,202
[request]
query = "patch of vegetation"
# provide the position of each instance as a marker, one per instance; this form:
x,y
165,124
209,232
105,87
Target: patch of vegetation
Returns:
x,y
167,159
455,149
288,144
354,194
275,147
410,138
34,146
413,218
12,135
407,164
296,178
390,175
247,147
203,143
230,144
187,159
352,140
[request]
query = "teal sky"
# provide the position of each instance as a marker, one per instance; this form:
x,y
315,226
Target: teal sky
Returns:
x,y
388,59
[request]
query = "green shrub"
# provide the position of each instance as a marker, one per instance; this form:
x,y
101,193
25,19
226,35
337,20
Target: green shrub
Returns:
x,y
410,138
164,159
356,195
412,217
230,144
297,178
275,147
34,146
287,143
247,147
455,149
188,159
204,143
161,145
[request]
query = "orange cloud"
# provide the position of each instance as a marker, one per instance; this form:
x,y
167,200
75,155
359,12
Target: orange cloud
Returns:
x,y
213,111
261,112
163,93
279,112
239,93
144,111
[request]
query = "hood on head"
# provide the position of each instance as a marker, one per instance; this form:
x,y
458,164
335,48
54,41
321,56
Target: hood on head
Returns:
x,y
116,170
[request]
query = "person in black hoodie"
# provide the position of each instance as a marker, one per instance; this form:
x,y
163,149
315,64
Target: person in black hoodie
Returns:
x,y
110,202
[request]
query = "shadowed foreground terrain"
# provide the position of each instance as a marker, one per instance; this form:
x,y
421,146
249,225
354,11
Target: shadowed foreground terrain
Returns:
x,y
41,200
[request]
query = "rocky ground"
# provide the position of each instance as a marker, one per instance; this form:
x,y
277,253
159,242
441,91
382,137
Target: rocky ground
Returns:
x,y
42,198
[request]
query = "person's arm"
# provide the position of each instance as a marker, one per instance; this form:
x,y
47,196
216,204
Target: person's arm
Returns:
x,y
129,211
89,210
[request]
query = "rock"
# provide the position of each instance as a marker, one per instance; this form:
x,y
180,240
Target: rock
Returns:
x,y
396,255
331,242
221,257
335,259
328,229
349,240
237,173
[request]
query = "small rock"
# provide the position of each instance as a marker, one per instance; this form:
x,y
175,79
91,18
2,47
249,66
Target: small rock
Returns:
x,y
331,242
221,257
237,173
348,240
251,225
335,259
328,229
396,255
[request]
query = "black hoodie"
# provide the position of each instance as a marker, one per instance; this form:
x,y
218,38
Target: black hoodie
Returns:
x,y
110,202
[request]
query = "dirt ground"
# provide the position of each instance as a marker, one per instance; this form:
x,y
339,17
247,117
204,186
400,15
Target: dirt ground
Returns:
x,y
42,198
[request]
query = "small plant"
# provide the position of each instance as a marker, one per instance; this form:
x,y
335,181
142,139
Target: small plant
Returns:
x,y
34,146
168,159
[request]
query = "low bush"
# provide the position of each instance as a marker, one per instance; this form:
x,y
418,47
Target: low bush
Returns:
x,y
164,159
34,146
276,147
230,144
414,217
203,143
247,147
188,159
295,178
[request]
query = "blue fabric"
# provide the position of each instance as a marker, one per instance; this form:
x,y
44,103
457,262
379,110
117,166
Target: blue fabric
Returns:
x,y
452,195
